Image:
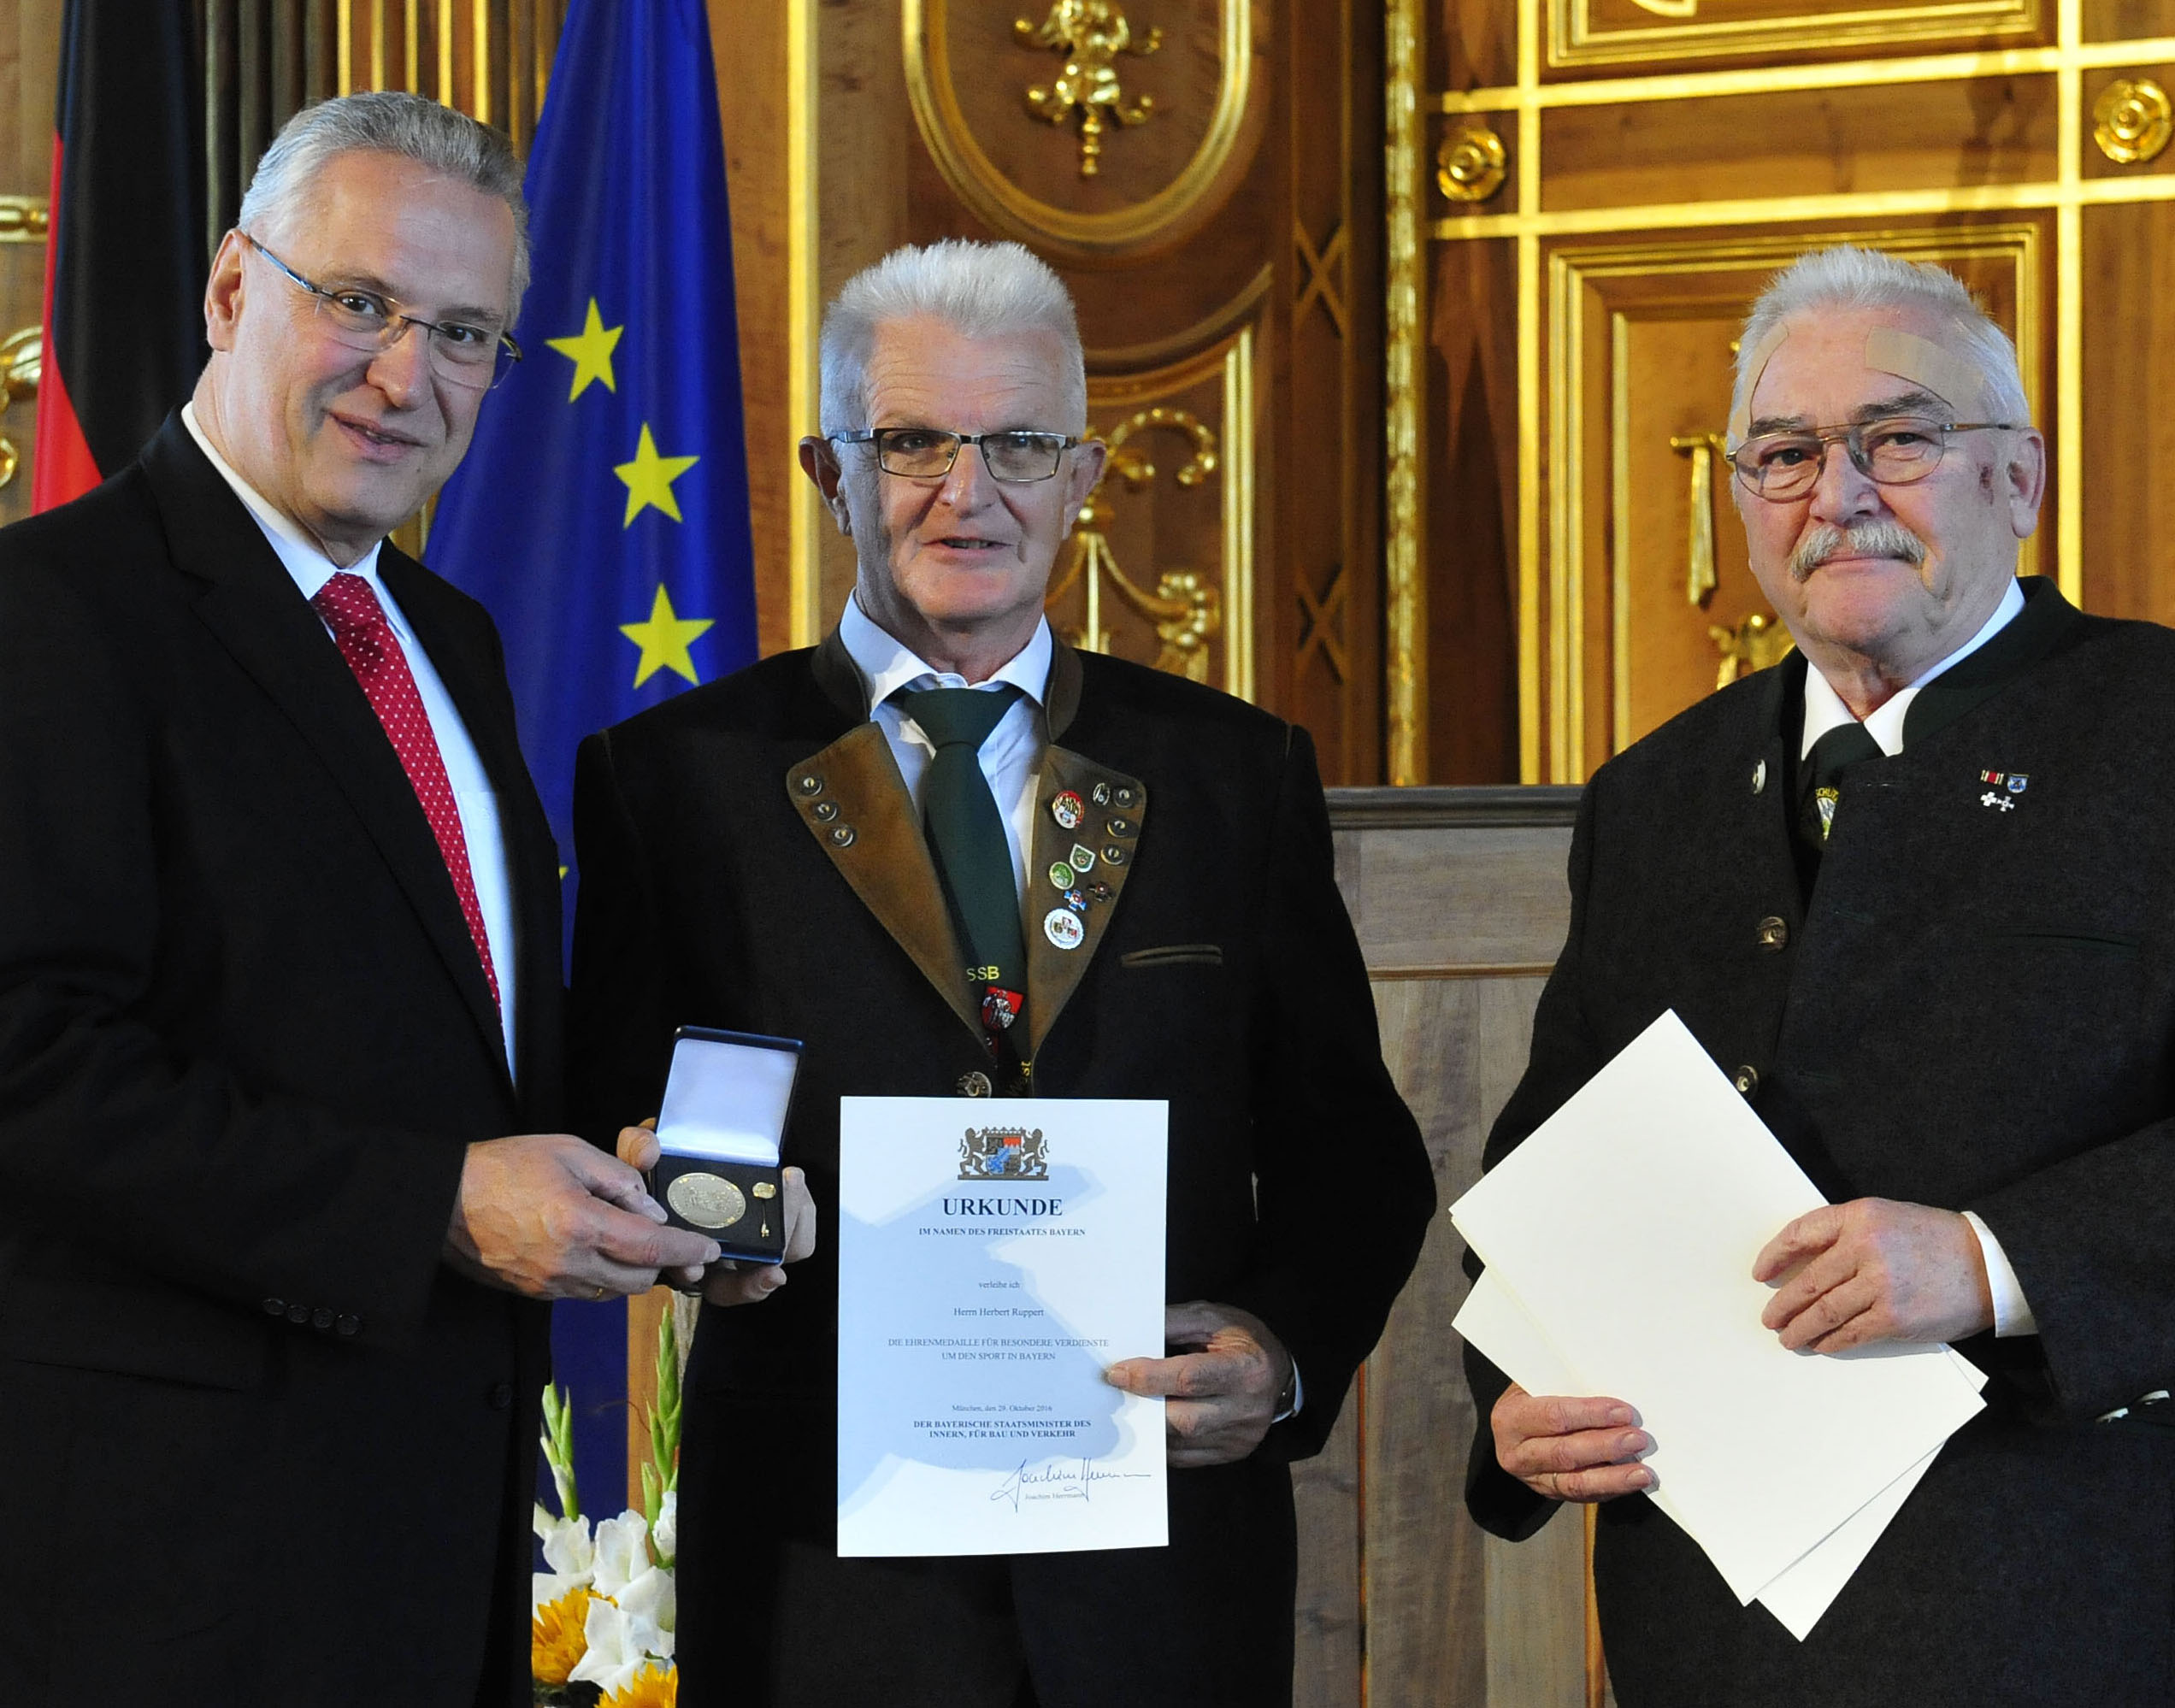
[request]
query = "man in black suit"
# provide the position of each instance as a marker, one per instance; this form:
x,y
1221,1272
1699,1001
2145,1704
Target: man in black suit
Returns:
x,y
1908,888
753,856
279,967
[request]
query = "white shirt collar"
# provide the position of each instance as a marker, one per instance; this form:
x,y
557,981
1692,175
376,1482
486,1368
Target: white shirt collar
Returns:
x,y
1824,709
305,558
886,664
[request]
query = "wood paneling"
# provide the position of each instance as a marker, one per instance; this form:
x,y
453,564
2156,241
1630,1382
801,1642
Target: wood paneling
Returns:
x,y
2129,559
1458,896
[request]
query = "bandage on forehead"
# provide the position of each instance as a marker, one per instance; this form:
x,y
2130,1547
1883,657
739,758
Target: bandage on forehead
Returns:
x,y
1755,365
1905,355
1939,369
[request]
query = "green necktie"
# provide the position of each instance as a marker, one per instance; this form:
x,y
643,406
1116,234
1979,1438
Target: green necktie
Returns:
x,y
966,834
1833,753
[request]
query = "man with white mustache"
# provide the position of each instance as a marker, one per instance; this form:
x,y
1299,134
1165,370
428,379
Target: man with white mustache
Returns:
x,y
1906,889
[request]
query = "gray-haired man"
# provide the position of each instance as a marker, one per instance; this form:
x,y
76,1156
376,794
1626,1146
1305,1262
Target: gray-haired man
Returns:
x,y
279,965
1207,959
1904,890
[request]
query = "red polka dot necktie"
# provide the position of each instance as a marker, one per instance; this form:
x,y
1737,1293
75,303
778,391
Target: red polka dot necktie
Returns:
x,y
366,640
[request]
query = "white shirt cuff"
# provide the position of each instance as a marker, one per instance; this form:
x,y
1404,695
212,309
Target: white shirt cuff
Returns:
x,y
1299,1397
2012,1314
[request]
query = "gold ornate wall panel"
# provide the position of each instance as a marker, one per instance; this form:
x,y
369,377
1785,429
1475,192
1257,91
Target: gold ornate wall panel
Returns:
x,y
1160,568
1595,34
1660,157
1167,128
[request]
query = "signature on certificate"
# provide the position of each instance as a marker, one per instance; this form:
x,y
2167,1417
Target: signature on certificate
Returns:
x,y
1066,1480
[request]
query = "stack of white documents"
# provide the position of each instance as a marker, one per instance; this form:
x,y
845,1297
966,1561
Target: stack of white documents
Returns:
x,y
1619,1239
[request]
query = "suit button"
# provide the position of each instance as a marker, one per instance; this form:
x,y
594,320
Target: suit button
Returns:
x,y
297,1314
1746,1080
1773,933
320,1319
276,1307
349,1326
501,1395
976,1084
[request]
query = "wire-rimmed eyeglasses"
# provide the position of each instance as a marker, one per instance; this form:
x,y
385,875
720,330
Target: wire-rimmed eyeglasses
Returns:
x,y
470,356
1014,457
1893,451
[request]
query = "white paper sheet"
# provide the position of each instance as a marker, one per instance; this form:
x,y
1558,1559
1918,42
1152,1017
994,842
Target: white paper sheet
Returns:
x,y
1626,1227
1493,1321
984,1286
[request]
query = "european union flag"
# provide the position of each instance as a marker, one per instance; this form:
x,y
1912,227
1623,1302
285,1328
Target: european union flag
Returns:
x,y
602,511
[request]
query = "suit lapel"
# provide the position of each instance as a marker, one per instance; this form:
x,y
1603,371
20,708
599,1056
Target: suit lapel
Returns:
x,y
855,804
1110,808
252,607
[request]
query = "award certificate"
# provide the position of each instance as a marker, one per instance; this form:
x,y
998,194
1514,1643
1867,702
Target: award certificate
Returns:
x,y
995,1257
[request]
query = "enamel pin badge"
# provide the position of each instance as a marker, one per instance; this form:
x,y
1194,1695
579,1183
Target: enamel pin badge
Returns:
x,y
2003,788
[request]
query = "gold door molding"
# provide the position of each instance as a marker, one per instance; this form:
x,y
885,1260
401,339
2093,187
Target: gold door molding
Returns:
x,y
1593,33
2056,173
1166,215
1214,387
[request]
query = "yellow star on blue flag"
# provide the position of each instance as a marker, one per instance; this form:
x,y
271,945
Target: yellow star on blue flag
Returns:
x,y
590,350
626,190
665,639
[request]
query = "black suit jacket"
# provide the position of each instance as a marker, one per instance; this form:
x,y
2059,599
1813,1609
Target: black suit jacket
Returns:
x,y
1224,976
276,1450
1975,1009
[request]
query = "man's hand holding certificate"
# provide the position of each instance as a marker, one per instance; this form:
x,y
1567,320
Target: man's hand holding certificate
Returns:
x,y
1630,1244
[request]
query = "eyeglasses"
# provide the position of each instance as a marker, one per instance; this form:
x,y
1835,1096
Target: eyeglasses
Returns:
x,y
473,357
1895,452
925,453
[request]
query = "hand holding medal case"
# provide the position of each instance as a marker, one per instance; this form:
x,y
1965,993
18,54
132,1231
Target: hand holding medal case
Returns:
x,y
724,1114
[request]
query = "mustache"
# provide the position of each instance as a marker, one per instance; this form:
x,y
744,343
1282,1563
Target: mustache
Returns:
x,y
1881,539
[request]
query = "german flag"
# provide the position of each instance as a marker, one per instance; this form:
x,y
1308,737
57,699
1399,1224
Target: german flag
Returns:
x,y
126,256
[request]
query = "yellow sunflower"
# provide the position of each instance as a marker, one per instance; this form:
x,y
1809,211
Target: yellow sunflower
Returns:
x,y
555,1643
653,1687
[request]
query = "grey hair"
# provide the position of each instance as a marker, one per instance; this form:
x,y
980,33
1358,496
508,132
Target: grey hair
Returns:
x,y
1848,277
980,290
387,121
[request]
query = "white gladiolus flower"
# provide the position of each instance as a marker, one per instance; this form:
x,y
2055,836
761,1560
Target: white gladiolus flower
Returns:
x,y
615,1655
567,1549
620,1554
651,1604
666,1530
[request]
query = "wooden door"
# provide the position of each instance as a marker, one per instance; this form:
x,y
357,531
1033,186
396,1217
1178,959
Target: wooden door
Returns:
x,y
1588,196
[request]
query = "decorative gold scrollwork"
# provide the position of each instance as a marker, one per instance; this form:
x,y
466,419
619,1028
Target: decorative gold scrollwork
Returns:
x,y
1754,643
2131,121
22,357
1469,164
1187,607
1090,34
1668,9
1699,575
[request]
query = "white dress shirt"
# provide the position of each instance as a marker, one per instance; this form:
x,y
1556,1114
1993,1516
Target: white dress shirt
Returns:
x,y
1823,711
473,796
1011,757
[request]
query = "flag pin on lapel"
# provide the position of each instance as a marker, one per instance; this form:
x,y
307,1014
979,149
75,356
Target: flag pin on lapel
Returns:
x,y
2002,787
